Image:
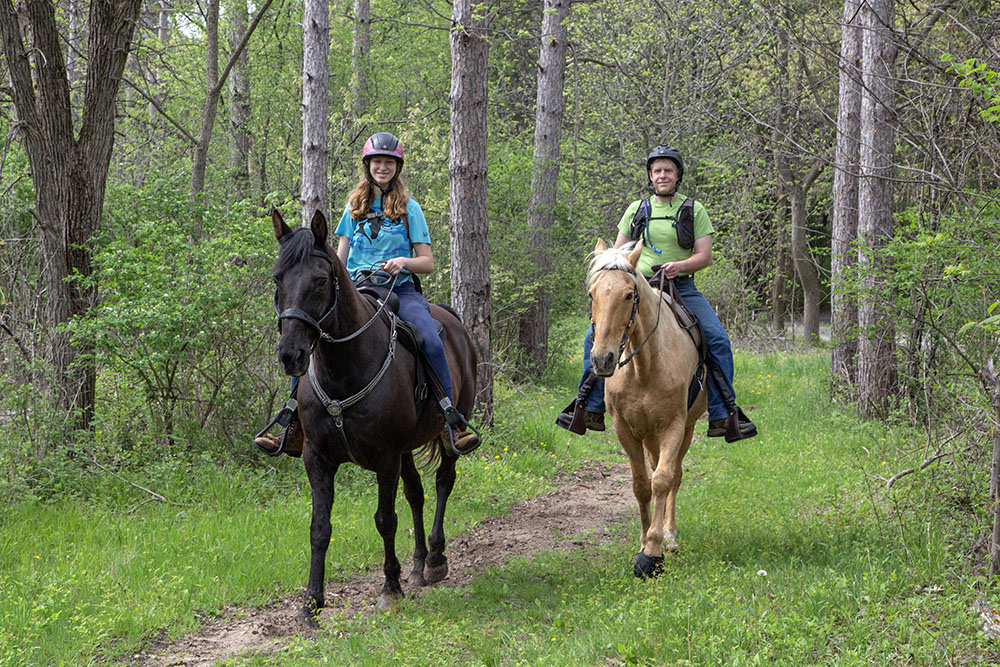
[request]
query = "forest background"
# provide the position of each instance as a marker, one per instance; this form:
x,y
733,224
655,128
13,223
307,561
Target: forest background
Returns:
x,y
176,328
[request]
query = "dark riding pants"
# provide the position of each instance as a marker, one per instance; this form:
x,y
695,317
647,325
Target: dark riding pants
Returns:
x,y
414,309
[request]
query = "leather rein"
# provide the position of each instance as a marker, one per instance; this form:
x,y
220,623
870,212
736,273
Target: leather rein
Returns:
x,y
335,408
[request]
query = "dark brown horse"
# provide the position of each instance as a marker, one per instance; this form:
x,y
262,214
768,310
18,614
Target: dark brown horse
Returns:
x,y
358,405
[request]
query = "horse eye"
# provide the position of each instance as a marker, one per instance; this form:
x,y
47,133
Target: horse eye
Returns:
x,y
630,296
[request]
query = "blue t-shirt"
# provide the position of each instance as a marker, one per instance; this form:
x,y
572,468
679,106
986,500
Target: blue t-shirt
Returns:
x,y
379,239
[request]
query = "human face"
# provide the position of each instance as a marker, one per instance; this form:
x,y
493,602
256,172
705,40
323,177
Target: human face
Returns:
x,y
382,169
663,174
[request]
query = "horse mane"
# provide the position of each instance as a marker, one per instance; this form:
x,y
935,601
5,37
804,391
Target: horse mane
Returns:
x,y
296,248
612,259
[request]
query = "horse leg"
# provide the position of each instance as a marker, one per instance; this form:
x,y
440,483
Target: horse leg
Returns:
x,y
666,481
671,502
437,563
640,474
321,478
387,473
413,489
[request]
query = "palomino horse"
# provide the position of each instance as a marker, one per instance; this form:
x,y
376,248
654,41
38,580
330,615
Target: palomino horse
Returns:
x,y
332,332
649,362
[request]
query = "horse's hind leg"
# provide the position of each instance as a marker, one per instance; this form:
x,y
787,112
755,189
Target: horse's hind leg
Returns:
x,y
387,474
413,489
670,506
437,564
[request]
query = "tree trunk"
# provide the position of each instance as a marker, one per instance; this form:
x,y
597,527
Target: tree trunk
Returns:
x,y
211,105
315,81
877,346
992,384
534,324
359,57
805,267
779,286
69,174
843,303
469,231
76,38
239,106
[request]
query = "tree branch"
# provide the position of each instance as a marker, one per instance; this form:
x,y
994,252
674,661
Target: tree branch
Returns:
x,y
155,495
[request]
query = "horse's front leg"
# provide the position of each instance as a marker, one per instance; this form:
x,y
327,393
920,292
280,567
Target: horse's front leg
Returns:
x,y
667,450
321,478
413,489
437,562
387,474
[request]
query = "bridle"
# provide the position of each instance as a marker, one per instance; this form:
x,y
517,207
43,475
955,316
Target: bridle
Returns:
x,y
315,325
335,408
631,319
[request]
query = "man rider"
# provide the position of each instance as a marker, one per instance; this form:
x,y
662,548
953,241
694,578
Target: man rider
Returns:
x,y
661,247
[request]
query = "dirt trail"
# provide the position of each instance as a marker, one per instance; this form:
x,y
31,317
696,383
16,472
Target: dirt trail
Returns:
x,y
590,501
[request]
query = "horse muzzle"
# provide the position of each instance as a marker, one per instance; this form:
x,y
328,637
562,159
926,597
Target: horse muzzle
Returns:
x,y
603,363
294,359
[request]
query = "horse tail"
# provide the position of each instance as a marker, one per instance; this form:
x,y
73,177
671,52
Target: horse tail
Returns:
x,y
428,455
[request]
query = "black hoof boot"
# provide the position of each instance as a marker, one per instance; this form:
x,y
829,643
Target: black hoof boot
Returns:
x,y
647,566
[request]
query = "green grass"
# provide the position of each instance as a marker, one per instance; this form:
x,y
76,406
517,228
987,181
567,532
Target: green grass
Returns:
x,y
789,555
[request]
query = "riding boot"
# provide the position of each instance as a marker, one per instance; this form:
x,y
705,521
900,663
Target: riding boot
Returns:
x,y
462,437
290,441
736,426
574,418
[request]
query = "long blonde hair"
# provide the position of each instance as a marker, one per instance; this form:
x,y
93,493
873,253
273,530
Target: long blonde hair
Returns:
x,y
363,194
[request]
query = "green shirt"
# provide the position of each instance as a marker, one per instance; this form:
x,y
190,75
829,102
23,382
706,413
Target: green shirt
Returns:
x,y
662,232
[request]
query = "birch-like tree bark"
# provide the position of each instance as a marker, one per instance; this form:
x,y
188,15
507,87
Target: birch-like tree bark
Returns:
x,y
469,231
877,379
549,107
212,89
315,82
843,255
239,104
359,57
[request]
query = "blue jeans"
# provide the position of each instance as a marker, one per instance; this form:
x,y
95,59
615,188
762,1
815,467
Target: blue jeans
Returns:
x,y
716,340
414,309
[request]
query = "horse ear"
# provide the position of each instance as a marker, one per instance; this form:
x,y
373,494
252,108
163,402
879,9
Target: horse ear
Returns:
x,y
318,227
633,257
280,228
601,245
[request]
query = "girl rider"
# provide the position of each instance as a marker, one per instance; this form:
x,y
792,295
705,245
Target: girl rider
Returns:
x,y
384,228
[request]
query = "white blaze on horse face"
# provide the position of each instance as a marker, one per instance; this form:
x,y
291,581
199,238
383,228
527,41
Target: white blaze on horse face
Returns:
x,y
612,294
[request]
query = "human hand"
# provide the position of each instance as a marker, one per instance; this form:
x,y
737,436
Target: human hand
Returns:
x,y
670,270
394,265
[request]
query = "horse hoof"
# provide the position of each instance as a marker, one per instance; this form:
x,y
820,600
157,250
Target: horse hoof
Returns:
x,y
416,580
647,566
435,573
309,617
386,602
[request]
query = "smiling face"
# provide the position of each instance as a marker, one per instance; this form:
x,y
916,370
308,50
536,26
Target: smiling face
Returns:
x,y
383,169
663,174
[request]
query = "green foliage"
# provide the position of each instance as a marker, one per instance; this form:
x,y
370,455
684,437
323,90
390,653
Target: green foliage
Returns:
x,y
982,81
183,323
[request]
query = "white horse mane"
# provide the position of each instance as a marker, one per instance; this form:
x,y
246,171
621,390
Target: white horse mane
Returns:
x,y
612,259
